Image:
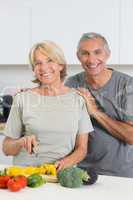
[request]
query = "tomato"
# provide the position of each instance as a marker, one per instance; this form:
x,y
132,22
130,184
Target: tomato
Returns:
x,y
17,183
22,180
3,181
14,185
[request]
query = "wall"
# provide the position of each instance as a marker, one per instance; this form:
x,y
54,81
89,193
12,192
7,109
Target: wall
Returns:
x,y
19,76
14,76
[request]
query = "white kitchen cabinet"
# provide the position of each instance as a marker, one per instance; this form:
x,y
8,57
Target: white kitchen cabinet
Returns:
x,y
126,32
14,32
64,21
23,23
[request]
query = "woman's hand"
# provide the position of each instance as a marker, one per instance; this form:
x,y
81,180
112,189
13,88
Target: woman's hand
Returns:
x,y
28,142
13,146
62,164
89,99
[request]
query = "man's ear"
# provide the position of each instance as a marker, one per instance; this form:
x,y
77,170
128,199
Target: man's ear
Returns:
x,y
108,55
78,55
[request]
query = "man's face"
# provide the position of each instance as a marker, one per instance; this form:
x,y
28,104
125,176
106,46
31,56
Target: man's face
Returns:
x,y
93,56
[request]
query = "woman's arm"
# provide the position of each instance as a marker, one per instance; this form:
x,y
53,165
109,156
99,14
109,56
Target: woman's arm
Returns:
x,y
78,154
13,146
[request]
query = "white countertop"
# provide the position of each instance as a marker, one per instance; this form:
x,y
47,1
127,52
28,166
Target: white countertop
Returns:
x,y
106,188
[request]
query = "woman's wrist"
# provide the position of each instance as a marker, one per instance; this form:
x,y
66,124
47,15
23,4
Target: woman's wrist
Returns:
x,y
18,143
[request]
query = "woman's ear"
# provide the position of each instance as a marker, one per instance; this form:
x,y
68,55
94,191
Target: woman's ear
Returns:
x,y
61,67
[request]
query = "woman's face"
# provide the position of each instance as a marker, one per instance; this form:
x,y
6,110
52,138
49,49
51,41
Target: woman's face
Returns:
x,y
46,70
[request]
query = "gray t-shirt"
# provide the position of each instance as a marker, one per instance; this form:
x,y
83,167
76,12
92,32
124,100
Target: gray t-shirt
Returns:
x,y
107,154
54,120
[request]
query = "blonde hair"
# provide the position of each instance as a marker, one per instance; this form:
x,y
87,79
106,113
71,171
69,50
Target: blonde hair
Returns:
x,y
52,51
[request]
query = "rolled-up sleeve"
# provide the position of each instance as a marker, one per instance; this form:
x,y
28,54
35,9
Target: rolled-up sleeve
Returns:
x,y
127,101
85,125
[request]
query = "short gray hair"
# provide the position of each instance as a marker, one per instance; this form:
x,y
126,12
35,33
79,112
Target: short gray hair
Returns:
x,y
93,35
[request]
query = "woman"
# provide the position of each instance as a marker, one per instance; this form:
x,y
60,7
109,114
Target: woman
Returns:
x,y
48,123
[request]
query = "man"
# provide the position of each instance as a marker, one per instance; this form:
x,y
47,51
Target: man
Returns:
x,y
109,99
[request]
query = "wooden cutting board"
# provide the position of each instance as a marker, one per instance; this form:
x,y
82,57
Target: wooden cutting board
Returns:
x,y
50,178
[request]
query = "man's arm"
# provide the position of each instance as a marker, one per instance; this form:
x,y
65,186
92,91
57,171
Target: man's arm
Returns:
x,y
119,129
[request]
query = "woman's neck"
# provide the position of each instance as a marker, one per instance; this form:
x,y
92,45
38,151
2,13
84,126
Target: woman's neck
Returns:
x,y
53,90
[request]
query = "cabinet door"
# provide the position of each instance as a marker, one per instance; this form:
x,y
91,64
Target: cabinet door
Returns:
x,y
126,32
14,33
65,21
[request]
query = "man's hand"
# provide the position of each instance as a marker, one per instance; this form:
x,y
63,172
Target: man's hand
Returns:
x,y
89,99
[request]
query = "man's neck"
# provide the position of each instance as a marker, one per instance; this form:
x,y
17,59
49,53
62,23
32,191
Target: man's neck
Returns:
x,y
99,80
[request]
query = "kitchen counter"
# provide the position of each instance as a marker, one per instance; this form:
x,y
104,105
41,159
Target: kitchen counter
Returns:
x,y
106,188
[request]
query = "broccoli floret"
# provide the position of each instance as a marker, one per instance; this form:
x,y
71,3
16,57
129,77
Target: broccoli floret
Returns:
x,y
72,177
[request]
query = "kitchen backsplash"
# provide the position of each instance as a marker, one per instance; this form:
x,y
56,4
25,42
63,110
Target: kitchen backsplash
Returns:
x,y
13,77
